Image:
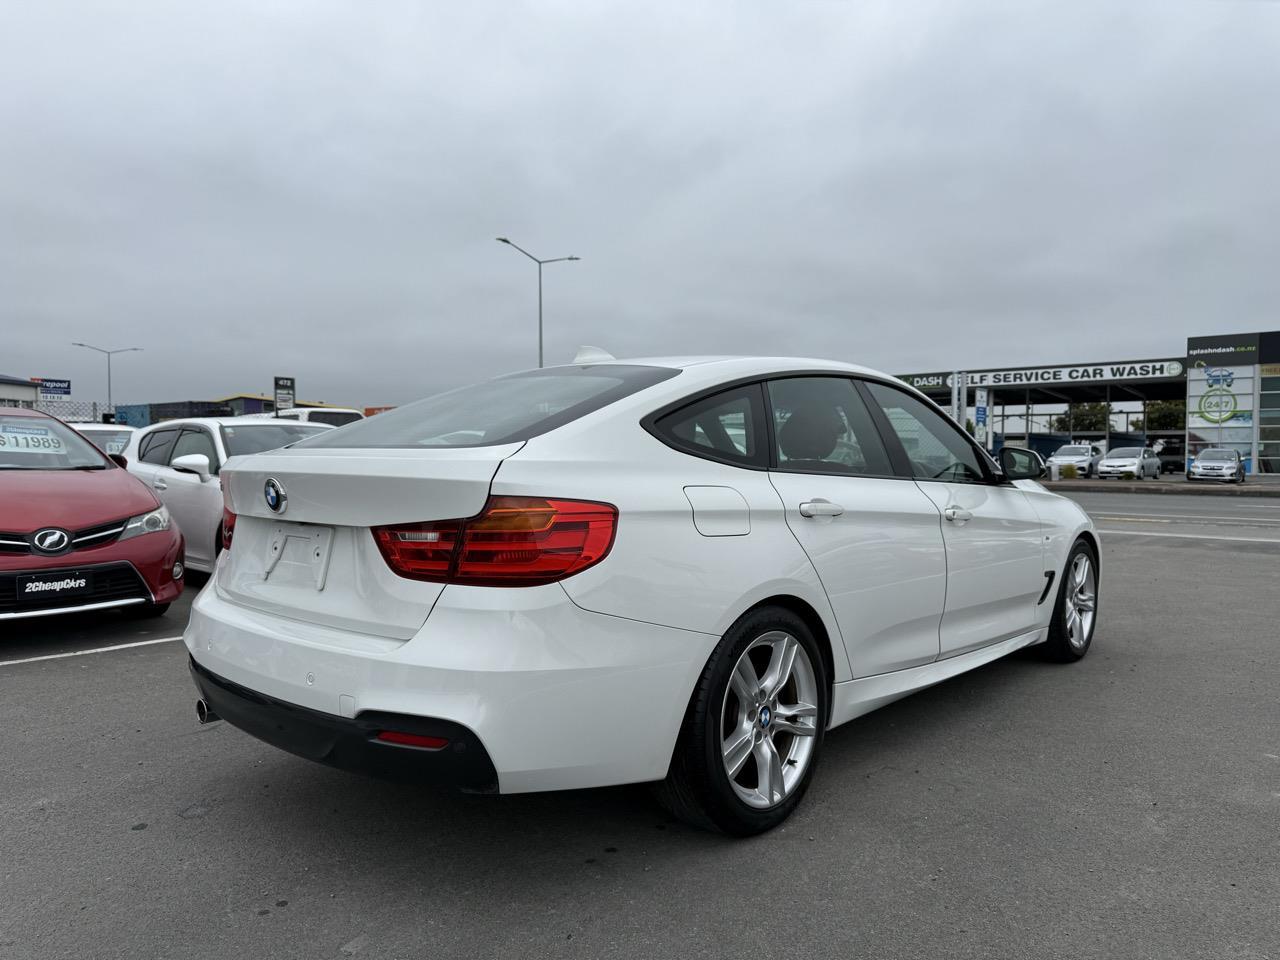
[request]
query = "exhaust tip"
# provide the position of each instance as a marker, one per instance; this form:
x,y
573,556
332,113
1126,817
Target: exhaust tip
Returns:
x,y
204,712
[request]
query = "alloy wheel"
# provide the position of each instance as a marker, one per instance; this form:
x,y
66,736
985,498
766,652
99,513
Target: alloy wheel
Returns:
x,y
1081,600
769,719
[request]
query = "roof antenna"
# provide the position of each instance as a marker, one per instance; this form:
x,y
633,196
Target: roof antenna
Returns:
x,y
587,354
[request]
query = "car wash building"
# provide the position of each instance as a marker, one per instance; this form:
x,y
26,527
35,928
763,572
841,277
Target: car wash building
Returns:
x,y
1230,384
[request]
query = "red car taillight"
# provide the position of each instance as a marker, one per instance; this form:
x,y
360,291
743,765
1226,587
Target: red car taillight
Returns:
x,y
228,527
514,542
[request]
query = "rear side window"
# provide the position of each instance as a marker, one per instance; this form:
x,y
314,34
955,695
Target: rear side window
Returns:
x,y
821,425
726,426
155,447
506,410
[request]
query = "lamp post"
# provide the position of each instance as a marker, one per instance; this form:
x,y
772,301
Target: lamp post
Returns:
x,y
88,346
539,263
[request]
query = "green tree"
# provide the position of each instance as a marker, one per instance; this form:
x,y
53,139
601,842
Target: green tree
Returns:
x,y
1163,415
1083,416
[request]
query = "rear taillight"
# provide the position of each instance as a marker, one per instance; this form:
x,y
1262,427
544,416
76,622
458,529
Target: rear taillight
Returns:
x,y
514,542
228,527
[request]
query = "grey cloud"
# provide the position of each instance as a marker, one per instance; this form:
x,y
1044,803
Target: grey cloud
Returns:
x,y
313,188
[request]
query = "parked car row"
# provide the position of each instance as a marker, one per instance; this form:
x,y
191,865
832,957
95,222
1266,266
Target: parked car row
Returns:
x,y
103,516
1216,463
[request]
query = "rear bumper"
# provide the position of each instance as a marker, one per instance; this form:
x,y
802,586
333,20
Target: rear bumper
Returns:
x,y
555,696
350,744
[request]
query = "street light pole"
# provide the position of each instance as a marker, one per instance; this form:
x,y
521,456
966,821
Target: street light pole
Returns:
x,y
88,346
539,263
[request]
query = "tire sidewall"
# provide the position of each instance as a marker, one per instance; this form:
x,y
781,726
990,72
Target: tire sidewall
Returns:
x,y
1059,634
724,806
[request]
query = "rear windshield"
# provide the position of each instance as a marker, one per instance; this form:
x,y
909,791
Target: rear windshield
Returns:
x,y
257,437
506,410
108,441
335,418
42,443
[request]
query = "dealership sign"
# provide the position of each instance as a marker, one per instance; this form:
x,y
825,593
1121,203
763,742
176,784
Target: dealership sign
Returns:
x,y
285,393
51,389
1044,376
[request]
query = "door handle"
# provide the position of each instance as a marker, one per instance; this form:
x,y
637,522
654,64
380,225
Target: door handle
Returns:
x,y
957,514
159,484
817,507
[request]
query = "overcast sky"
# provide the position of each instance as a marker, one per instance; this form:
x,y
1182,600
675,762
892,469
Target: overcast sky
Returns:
x,y
248,188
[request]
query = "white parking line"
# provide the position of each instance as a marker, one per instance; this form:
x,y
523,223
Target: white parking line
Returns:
x,y
1185,536
85,653
1172,517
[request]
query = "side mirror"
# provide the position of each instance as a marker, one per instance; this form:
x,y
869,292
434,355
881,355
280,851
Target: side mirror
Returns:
x,y
1021,464
119,459
196,463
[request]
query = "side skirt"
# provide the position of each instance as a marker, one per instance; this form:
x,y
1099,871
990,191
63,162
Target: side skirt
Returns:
x,y
853,698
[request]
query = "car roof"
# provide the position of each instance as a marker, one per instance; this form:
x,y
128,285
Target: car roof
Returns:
x,y
231,422
23,412
94,425
748,366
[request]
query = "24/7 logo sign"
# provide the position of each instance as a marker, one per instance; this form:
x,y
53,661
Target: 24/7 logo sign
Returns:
x,y
1218,405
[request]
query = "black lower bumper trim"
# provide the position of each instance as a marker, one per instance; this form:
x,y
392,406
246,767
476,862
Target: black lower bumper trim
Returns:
x,y
348,743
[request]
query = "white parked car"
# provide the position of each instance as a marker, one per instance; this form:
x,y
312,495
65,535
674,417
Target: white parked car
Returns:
x,y
333,416
679,570
1140,462
108,437
1085,457
182,459
1217,463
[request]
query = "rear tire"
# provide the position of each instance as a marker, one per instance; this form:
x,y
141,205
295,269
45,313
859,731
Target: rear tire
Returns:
x,y
760,709
1075,612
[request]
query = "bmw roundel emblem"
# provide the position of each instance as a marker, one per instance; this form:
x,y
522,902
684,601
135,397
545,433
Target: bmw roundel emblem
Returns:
x,y
51,540
275,496
765,716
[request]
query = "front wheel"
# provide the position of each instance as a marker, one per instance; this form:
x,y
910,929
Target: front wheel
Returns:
x,y
753,729
1076,611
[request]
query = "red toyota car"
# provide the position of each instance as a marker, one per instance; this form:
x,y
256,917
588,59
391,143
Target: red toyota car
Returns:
x,y
78,532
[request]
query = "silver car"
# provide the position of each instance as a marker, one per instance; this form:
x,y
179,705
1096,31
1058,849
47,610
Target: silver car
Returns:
x,y
1138,462
1085,457
1217,463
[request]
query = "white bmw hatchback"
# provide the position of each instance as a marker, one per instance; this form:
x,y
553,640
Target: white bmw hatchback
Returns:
x,y
676,570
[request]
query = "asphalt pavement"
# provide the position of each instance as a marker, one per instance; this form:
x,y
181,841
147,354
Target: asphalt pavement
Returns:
x,y
1124,807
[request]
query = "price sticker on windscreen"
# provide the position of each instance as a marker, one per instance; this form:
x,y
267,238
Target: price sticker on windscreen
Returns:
x,y
33,439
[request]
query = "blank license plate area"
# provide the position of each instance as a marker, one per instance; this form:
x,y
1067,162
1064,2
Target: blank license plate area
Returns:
x,y
298,555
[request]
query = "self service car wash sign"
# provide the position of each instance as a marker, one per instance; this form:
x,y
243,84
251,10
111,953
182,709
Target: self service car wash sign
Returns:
x,y
286,394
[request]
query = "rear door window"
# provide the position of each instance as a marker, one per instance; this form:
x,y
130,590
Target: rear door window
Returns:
x,y
726,426
821,425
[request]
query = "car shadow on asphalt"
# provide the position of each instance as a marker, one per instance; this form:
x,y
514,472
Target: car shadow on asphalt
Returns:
x,y
380,827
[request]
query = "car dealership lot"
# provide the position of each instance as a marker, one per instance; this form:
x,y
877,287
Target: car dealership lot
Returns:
x,y
1124,806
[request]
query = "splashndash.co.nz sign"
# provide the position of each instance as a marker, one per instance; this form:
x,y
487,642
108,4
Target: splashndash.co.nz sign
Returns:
x,y
1037,376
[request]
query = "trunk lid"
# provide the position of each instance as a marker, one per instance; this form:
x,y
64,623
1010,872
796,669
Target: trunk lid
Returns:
x,y
315,559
